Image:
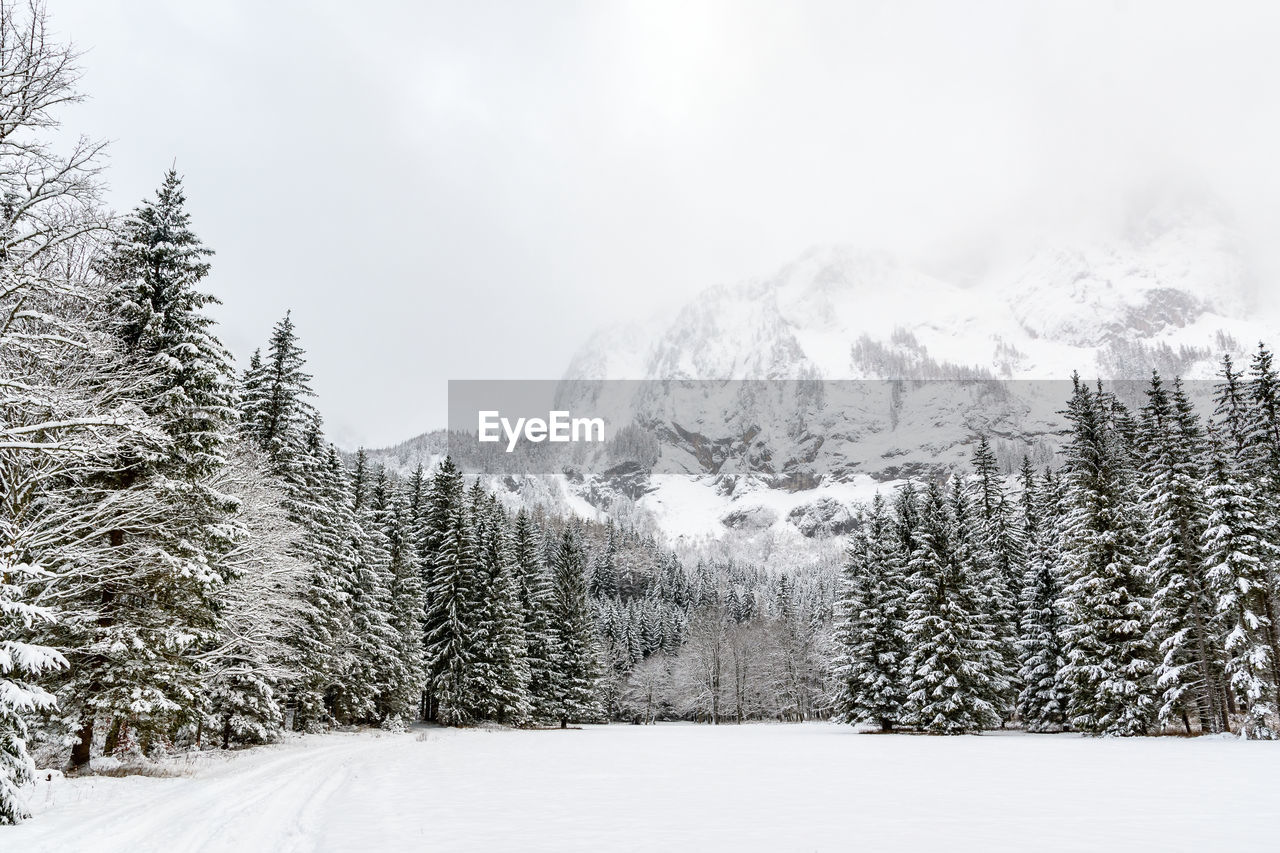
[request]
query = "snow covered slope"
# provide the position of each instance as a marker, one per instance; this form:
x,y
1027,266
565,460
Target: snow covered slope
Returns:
x,y
766,787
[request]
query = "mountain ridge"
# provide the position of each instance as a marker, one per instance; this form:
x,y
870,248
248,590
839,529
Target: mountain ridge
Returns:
x,y
1171,291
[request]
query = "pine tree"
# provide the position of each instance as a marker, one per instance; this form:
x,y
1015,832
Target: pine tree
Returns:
x,y
451,602
1237,559
1261,458
1189,674
322,641
19,663
276,392
1109,660
871,632
502,646
437,513
535,603
134,650
954,669
278,417
380,671
155,264
1042,701
417,497
575,649
604,569
906,518
996,529
1263,424
999,550
406,606
1232,411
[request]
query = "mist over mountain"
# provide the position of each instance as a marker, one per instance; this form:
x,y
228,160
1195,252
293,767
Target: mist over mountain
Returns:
x,y
1171,288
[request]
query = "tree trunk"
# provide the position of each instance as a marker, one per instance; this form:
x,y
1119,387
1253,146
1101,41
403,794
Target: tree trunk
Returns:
x,y
1211,715
112,741
1273,634
81,751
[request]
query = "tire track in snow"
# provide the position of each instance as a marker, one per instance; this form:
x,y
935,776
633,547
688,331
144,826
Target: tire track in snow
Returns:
x,y
277,803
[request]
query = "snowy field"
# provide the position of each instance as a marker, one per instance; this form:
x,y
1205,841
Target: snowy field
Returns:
x,y
678,787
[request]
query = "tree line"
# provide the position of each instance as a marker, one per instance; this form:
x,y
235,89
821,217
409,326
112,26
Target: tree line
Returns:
x,y
1132,591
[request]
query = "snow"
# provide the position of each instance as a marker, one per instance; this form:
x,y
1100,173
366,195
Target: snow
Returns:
x,y
678,787
692,507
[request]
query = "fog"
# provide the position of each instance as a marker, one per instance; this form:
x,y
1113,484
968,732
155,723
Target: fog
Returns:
x,y
447,190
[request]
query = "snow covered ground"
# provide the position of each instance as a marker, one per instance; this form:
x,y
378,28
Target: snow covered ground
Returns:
x,y
678,787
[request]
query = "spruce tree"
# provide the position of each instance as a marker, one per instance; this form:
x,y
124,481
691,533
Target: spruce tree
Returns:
x,y
1240,485
244,705
1232,413
451,609
278,417
1109,660
155,264
133,651
1189,673
502,647
871,632
405,616
604,569
1262,450
1238,557
381,671
955,673
277,396
906,518
535,603
20,662
999,551
1263,423
322,640
997,532
1042,700
575,649
437,513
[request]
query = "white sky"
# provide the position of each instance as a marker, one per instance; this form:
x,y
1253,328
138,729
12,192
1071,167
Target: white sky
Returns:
x,y
467,190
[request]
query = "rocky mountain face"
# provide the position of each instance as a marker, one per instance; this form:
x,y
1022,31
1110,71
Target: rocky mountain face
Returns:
x,y
864,371
776,404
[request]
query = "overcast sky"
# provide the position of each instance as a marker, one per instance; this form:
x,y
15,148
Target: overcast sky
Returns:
x,y
467,190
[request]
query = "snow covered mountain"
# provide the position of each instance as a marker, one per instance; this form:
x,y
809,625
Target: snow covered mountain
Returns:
x,y
777,403
1172,291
